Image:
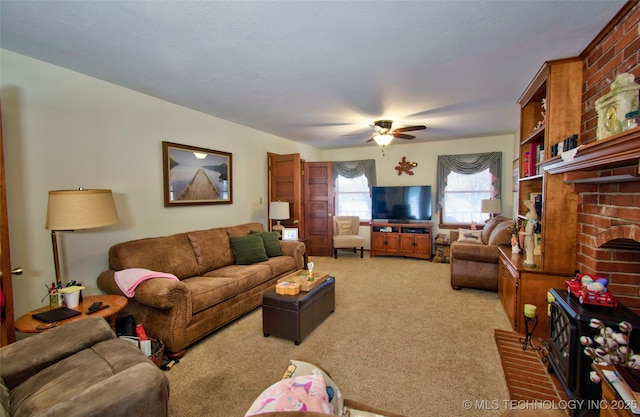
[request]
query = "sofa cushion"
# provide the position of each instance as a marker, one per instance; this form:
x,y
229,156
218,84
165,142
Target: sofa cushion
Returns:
x,y
489,226
280,264
248,249
246,276
209,291
171,254
469,236
501,235
211,248
271,243
244,229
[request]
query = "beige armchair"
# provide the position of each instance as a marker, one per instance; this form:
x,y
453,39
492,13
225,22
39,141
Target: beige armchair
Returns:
x,y
345,234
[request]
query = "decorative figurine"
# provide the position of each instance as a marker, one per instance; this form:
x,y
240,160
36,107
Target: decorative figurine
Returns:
x,y
529,243
515,246
310,269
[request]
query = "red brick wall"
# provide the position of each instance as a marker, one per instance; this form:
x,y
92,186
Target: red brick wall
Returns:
x,y
617,52
610,212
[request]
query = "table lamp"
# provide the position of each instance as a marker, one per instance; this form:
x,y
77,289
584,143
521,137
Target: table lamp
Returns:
x,y
490,206
278,210
69,210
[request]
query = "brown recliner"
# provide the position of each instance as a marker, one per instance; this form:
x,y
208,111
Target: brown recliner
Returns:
x,y
475,264
80,369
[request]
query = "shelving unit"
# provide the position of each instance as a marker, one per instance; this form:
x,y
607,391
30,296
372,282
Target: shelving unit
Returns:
x,y
412,240
559,83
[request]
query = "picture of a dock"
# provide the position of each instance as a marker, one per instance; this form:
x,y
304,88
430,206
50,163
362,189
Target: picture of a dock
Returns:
x,y
200,188
195,175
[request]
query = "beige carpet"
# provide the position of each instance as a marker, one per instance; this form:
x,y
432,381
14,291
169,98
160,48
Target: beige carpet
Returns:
x,y
400,339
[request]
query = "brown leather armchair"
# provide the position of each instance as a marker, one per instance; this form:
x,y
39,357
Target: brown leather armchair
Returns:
x,y
475,264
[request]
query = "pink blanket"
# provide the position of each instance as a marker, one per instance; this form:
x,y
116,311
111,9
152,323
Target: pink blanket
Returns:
x,y
129,279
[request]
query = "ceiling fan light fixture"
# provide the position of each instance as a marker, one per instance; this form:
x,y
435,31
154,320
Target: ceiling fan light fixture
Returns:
x,y
383,140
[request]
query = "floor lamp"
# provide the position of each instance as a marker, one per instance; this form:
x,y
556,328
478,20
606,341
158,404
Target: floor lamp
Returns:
x,y
69,210
278,210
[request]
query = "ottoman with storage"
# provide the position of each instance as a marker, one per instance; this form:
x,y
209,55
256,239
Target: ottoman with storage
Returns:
x,y
293,317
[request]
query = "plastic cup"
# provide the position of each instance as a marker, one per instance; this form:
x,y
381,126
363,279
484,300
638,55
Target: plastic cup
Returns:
x,y
72,299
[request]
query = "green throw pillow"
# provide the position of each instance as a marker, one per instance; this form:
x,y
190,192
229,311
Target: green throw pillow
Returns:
x,y
248,249
271,243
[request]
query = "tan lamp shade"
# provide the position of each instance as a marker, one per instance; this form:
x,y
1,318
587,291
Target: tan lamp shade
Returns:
x,y
279,210
80,209
490,206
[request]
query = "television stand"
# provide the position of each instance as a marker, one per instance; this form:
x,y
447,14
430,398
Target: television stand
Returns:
x,y
411,240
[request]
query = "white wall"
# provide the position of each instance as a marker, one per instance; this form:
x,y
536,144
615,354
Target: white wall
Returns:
x,y
426,155
64,130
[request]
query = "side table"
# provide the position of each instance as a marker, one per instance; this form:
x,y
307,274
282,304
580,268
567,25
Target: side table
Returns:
x,y
27,324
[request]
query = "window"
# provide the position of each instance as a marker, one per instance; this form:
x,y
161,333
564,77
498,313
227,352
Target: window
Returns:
x,y
353,181
462,197
463,181
353,197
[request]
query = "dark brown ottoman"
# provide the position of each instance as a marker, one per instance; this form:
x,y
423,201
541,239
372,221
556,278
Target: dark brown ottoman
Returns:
x,y
293,317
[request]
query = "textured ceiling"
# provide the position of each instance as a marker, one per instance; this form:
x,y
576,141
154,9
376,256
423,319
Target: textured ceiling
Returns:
x,y
315,71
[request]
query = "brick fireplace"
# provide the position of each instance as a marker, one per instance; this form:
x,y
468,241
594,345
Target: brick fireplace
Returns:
x,y
605,173
606,176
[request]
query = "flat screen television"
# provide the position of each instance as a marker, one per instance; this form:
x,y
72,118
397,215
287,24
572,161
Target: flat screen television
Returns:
x,y
401,204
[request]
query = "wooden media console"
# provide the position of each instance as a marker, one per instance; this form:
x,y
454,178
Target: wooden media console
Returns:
x,y
412,240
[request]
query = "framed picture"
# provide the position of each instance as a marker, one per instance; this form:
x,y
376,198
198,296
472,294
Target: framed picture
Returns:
x,y
195,176
290,233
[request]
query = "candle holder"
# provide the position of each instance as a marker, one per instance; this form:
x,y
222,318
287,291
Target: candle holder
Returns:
x,y
529,322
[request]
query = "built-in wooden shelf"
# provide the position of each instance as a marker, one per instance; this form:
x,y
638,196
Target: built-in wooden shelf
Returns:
x,y
619,150
531,177
535,136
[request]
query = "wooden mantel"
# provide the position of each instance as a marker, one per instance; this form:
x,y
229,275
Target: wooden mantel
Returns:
x,y
621,150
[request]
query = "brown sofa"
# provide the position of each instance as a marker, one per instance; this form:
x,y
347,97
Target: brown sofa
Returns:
x,y
474,264
77,370
212,289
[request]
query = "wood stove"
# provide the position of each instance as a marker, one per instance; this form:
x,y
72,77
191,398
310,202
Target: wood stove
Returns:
x,y
568,322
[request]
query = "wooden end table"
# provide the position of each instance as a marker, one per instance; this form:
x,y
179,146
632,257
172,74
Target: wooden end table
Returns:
x,y
27,324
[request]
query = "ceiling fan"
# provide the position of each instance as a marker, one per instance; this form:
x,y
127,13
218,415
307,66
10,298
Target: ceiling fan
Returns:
x,y
384,134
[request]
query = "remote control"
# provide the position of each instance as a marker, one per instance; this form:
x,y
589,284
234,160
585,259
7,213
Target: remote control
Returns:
x,y
102,307
94,307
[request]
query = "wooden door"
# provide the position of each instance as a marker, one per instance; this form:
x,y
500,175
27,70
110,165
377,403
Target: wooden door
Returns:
x,y
318,203
7,327
285,184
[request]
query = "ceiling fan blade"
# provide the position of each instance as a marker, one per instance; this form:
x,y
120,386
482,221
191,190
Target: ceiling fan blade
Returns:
x,y
409,128
402,135
370,140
